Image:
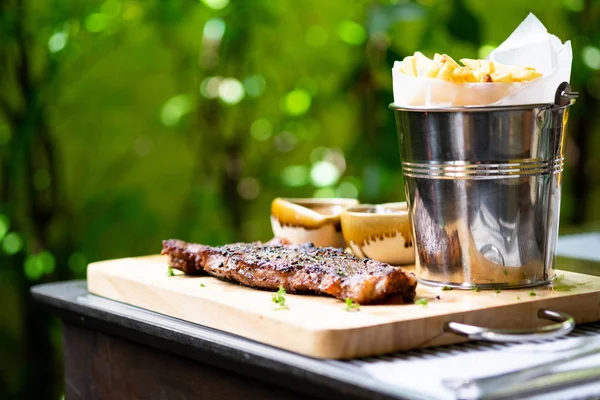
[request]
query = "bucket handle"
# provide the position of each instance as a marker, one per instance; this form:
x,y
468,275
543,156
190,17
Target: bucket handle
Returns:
x,y
564,96
565,324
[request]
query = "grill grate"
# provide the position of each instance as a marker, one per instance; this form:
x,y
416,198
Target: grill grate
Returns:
x,y
424,370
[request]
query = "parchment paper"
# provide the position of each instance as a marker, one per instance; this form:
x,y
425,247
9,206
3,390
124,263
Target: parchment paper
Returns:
x,y
529,45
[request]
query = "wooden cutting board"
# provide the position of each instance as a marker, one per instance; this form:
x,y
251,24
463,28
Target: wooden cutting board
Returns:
x,y
320,326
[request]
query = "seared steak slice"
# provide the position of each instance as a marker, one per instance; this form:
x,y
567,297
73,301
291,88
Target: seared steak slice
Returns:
x,y
298,268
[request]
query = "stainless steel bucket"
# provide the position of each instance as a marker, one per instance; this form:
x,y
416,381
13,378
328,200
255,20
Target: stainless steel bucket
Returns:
x,y
483,189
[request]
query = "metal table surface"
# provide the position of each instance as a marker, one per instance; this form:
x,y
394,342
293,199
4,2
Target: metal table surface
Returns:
x,y
408,375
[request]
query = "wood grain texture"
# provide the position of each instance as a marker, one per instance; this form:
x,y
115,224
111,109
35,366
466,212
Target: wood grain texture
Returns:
x,y
319,326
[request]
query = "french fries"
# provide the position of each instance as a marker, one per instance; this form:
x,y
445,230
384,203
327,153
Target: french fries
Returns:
x,y
442,66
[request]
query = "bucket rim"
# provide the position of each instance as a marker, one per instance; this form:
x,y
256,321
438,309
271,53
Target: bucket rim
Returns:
x,y
516,107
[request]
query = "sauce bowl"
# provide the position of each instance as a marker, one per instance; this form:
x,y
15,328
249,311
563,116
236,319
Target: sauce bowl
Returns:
x,y
310,220
381,232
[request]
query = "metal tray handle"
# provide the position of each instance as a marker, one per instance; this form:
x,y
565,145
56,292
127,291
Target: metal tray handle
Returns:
x,y
565,324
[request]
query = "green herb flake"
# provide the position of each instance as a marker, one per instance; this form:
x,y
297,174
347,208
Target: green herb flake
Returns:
x,y
476,288
560,286
518,298
568,288
497,291
446,288
279,299
170,272
202,285
351,305
341,272
532,293
422,302
505,273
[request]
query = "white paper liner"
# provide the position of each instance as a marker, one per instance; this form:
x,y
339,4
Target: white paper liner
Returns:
x,y
529,45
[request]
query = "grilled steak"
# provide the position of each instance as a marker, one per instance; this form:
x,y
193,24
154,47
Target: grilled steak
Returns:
x,y
298,268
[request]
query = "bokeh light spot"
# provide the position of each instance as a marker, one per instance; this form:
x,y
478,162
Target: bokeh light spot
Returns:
x,y
33,268
324,193
5,134
295,175
111,8
12,243
324,173
175,108
37,265
248,188
591,57
346,189
132,10
318,154
296,102
231,91
261,129
209,87
574,5
214,29
285,141
57,42
46,259
216,4
72,27
316,36
351,32
41,179
254,85
4,225
95,22
143,145
485,51
77,263
336,157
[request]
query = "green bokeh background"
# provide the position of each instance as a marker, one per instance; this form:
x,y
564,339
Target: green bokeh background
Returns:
x,y
126,122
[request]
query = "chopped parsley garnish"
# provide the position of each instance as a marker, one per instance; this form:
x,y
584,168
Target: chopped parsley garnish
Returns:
x,y
532,293
567,288
279,299
475,288
497,291
202,285
422,302
560,286
518,298
170,272
340,272
446,288
351,305
505,273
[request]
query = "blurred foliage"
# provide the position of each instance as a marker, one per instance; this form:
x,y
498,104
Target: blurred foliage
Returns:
x,y
126,122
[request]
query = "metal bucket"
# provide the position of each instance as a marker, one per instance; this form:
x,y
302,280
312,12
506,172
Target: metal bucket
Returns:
x,y
483,189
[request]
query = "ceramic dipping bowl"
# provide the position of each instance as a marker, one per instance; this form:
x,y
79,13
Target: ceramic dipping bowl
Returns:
x,y
310,220
381,232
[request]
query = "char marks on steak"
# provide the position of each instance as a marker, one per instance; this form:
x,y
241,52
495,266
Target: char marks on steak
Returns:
x,y
298,268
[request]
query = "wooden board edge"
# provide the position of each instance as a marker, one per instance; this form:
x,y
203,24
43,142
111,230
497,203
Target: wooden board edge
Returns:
x,y
347,343
104,286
